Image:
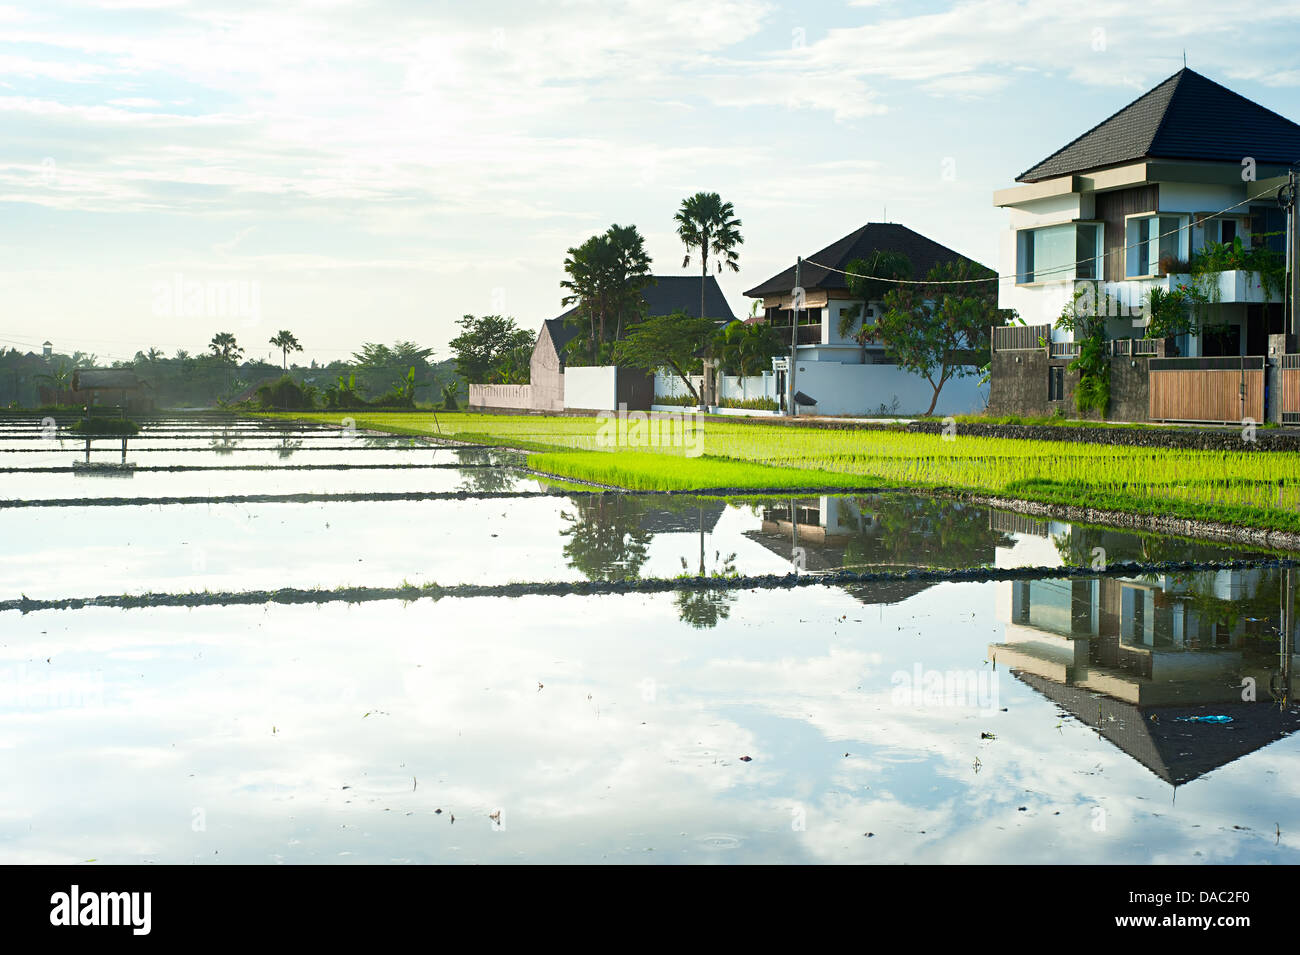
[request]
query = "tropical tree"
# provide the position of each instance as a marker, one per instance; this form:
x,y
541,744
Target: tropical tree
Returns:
x,y
286,342
487,348
377,365
707,224
746,350
869,281
604,278
225,348
939,330
673,341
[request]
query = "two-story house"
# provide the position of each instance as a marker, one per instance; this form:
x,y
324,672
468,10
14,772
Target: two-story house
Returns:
x,y
1157,196
844,374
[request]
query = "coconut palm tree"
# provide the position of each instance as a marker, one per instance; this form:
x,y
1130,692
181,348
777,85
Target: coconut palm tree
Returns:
x,y
706,223
286,342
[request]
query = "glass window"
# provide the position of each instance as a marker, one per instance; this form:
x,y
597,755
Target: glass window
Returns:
x,y
1150,240
1046,254
1087,252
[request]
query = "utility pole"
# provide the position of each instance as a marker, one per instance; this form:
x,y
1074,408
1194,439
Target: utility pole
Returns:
x,y
797,296
1293,259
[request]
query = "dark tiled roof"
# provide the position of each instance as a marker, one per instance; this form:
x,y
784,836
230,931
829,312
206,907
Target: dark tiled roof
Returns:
x,y
1188,116
562,333
668,294
923,253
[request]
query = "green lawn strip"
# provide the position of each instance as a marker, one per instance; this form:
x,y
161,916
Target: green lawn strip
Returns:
x,y
1146,481
1075,495
647,471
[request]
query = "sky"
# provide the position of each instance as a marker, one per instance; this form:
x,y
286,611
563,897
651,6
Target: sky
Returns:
x,y
374,170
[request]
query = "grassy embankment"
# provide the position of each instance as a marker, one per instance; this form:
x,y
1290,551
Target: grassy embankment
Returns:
x,y
1246,488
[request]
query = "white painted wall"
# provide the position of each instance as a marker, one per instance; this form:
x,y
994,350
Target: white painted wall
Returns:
x,y
753,386
862,389
590,388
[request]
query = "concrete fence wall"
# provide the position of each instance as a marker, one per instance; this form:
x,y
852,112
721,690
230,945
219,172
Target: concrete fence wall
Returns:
x,y
501,396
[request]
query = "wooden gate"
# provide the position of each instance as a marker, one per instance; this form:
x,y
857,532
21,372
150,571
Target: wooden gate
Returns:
x,y
1223,390
1291,389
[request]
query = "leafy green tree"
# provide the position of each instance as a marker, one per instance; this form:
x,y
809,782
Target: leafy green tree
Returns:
x,y
667,341
940,331
486,350
881,265
286,342
604,278
708,225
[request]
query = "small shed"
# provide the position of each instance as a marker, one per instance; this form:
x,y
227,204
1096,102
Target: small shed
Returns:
x,y
111,387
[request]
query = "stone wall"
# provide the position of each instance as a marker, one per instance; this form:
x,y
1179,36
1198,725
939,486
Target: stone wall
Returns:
x,y
1019,382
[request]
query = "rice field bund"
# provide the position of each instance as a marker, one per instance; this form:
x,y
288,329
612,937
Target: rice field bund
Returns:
x,y
473,638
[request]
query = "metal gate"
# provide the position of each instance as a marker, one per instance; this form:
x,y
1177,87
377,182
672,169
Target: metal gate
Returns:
x,y
1291,389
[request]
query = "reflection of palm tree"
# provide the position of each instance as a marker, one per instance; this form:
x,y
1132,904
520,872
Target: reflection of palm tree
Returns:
x,y
224,443
605,539
287,446
702,609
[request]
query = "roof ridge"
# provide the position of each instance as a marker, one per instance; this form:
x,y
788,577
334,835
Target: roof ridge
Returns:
x,y
1178,78
1098,126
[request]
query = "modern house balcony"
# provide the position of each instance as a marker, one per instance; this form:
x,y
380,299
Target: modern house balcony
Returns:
x,y
1225,288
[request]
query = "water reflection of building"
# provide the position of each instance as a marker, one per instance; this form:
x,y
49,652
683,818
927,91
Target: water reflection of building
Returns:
x,y
878,532
1134,658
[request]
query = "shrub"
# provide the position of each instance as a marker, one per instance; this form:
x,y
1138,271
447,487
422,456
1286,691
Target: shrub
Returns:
x,y
749,404
676,401
286,395
105,426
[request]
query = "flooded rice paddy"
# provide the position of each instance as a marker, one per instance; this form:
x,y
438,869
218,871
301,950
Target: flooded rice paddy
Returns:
x,y
1134,717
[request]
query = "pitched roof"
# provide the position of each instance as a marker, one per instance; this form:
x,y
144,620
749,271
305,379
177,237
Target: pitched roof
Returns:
x,y
1188,116
671,293
668,294
112,378
923,253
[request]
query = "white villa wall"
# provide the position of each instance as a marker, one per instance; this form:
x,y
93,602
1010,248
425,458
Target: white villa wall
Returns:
x,y
863,389
591,388
753,386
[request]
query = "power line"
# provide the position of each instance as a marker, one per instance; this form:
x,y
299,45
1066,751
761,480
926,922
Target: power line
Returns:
x,y
1014,275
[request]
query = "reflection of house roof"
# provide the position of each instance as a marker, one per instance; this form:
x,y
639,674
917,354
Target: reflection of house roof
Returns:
x,y
1177,752
683,521
114,378
1186,117
818,559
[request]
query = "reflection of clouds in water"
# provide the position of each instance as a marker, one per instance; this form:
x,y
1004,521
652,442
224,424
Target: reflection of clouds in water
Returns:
x,y
259,715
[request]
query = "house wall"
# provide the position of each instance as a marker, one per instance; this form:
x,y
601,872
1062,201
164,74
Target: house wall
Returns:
x,y
863,389
546,374
593,388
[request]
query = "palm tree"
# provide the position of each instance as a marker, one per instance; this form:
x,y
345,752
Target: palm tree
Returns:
x,y
286,342
224,347
707,223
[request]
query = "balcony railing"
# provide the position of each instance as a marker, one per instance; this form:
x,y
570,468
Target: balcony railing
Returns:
x,y
1019,337
808,334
